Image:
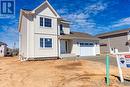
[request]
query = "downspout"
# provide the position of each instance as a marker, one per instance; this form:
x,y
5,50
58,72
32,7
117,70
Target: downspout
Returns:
x,y
57,41
33,19
19,45
27,41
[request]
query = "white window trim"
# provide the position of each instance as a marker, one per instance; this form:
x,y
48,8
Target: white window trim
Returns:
x,y
44,43
44,23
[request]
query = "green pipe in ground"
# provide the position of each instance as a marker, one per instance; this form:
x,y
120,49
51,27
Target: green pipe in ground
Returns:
x,y
107,70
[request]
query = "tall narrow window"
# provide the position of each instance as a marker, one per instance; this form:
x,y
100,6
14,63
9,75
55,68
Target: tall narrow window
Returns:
x,y
41,21
41,42
47,22
61,29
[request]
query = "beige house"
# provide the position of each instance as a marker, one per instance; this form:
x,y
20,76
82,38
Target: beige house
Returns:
x,y
44,34
116,41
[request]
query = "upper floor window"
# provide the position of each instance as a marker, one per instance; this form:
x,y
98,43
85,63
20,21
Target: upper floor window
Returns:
x,y
41,21
47,22
46,42
61,29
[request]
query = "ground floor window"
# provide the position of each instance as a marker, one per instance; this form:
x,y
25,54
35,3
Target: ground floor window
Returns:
x,y
45,42
84,44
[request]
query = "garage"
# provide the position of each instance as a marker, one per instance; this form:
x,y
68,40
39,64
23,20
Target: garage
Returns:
x,y
87,49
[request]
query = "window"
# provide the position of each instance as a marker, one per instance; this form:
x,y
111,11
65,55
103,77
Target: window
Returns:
x,y
84,44
45,42
48,42
90,43
41,42
81,44
47,22
41,21
61,29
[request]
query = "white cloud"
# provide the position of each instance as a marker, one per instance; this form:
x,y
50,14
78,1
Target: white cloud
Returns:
x,y
9,33
114,25
96,8
81,19
62,11
122,22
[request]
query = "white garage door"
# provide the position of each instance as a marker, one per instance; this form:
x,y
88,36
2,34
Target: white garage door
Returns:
x,y
87,49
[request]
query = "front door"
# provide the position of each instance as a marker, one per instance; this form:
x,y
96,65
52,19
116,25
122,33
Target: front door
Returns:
x,y
63,46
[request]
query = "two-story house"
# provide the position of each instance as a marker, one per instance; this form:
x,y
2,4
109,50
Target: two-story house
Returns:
x,y
44,34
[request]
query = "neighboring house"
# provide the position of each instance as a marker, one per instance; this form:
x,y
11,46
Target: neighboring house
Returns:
x,y
3,49
116,41
44,34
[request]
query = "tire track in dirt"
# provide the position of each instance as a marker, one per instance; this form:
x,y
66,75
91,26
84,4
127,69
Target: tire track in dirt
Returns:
x,y
81,79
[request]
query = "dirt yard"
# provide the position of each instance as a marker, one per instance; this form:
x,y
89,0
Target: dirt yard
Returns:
x,y
56,73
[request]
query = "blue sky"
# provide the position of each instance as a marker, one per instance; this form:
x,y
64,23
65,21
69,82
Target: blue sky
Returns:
x,y
90,16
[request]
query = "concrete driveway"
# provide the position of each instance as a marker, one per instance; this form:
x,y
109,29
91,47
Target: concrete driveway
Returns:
x,y
101,58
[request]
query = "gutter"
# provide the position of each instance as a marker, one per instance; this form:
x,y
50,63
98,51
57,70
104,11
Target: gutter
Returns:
x,y
57,41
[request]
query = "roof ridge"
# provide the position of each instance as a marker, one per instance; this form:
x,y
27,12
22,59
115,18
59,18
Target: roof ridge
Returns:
x,y
83,33
115,31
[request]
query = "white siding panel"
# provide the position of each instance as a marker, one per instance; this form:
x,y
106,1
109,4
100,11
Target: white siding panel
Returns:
x,y
46,52
47,12
23,49
45,30
97,49
31,37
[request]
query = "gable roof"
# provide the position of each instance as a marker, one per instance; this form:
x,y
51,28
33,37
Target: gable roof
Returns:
x,y
2,43
113,33
46,2
22,12
26,12
78,35
63,20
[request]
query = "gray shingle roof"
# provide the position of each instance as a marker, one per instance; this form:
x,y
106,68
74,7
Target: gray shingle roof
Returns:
x,y
78,35
2,43
113,32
